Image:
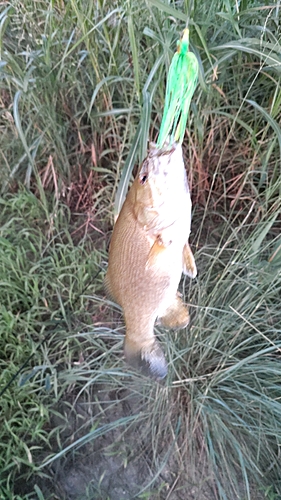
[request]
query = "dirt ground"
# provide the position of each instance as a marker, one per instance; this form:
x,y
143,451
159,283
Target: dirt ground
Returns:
x,y
120,464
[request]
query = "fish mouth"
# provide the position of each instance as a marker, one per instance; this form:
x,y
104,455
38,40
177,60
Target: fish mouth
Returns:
x,y
149,165
167,149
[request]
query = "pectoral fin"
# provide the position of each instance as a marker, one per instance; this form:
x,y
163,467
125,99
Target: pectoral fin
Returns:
x,y
176,315
156,251
188,262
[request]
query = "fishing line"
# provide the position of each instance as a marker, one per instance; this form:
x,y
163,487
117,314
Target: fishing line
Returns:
x,y
57,323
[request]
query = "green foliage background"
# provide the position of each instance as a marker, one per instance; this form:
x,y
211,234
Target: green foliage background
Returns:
x,y
82,88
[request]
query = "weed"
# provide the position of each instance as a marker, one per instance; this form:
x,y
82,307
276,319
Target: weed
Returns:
x,y
82,88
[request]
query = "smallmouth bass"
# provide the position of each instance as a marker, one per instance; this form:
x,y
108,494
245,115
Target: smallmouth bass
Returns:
x,y
148,252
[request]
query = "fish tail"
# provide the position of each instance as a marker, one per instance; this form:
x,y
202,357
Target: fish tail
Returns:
x,y
147,357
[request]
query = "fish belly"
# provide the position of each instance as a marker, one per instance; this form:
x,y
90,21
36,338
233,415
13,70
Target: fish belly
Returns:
x,y
147,292
143,293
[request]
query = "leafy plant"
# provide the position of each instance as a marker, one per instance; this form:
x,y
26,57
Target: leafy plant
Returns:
x,y
82,88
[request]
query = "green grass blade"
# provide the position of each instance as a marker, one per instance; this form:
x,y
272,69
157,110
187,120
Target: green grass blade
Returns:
x,y
169,10
126,173
135,55
269,118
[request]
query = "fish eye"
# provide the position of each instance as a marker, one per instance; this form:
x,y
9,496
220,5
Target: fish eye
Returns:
x,y
144,172
143,179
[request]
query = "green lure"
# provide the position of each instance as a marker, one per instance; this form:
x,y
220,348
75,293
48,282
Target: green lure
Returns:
x,y
181,84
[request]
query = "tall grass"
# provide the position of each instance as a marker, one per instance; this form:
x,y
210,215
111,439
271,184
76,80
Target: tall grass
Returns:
x,y
82,88
42,278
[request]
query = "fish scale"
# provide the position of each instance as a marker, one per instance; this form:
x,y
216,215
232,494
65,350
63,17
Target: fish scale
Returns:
x,y
148,252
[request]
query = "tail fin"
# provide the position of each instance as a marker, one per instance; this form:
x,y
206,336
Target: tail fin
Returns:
x,y
148,358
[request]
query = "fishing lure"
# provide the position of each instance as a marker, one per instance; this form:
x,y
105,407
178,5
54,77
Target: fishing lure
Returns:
x,y
181,84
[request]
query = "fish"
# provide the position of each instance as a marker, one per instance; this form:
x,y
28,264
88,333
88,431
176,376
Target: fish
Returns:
x,y
148,253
